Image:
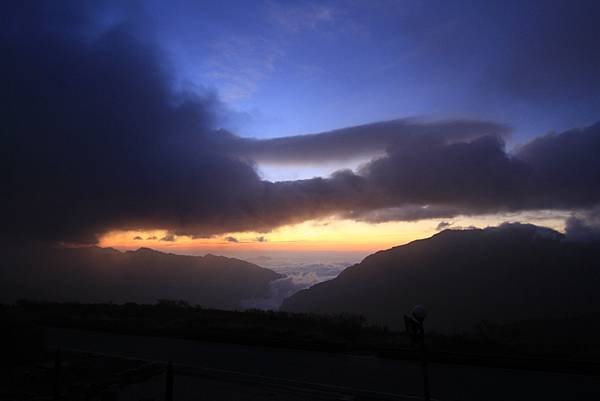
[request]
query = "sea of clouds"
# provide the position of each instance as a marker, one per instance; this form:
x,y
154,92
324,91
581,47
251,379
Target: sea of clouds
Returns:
x,y
299,274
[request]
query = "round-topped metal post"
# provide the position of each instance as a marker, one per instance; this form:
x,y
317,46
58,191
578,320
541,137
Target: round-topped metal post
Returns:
x,y
416,331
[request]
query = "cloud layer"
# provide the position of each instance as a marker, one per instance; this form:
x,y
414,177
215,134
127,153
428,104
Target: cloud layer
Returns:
x,y
427,177
355,142
96,138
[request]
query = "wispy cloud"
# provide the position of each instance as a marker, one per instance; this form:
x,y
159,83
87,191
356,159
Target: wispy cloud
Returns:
x,y
236,64
236,240
443,225
168,238
301,17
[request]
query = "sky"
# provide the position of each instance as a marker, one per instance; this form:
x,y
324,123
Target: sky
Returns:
x,y
296,67
296,126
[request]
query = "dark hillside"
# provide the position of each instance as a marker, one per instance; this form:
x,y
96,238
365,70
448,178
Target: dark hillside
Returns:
x,y
101,275
502,274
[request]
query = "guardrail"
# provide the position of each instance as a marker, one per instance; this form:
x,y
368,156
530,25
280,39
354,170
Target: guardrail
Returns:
x,y
108,389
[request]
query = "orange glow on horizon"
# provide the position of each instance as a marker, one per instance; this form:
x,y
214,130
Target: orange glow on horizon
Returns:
x,y
334,235
330,234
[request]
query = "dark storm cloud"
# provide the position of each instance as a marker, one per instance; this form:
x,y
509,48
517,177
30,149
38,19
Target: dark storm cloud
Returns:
x,y
566,167
137,238
353,142
231,239
403,213
426,177
584,226
95,138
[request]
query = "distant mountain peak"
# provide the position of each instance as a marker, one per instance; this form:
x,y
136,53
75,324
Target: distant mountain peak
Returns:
x,y
503,274
95,274
213,256
144,249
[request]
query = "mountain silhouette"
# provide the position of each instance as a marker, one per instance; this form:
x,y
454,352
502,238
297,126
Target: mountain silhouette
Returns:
x,y
94,274
500,274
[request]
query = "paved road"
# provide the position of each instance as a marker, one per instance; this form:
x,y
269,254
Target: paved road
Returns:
x,y
448,382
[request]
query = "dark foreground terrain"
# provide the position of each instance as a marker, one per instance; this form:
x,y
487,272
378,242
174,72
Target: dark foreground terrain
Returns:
x,y
518,344
354,377
283,356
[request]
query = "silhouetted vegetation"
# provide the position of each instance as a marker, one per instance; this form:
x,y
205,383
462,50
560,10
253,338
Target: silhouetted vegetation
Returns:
x,y
575,339
571,345
561,345
178,319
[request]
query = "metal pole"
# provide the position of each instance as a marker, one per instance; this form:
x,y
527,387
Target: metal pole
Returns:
x,y
426,396
416,330
57,374
169,382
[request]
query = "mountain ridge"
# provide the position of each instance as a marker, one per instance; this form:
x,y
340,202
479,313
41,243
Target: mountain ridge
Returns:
x,y
95,274
504,274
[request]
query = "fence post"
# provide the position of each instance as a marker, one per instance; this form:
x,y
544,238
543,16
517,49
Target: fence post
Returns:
x,y
416,331
57,374
169,382
425,372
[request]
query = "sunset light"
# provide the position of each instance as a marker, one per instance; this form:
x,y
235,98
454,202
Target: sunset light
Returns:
x,y
334,234
259,200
